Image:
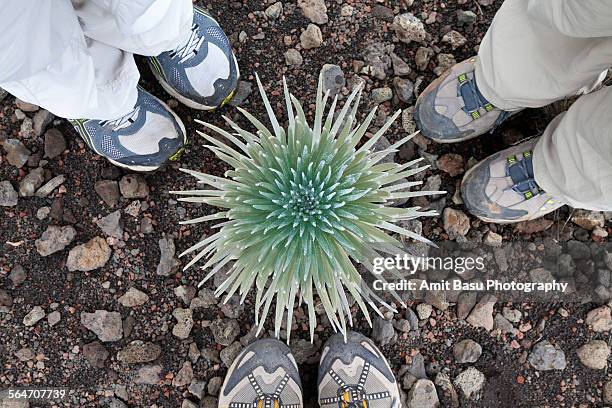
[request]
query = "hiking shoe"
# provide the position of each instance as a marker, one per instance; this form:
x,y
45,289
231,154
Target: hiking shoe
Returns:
x,y
264,375
452,109
202,72
355,374
501,189
143,140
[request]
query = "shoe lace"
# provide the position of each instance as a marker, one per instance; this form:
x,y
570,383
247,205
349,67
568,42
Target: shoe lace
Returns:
x,y
521,173
352,397
269,400
190,47
474,101
121,122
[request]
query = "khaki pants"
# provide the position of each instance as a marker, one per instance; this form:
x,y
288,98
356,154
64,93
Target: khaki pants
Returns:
x,y
90,72
540,51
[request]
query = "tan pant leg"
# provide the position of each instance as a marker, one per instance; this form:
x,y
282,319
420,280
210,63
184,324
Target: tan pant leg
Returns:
x,y
573,158
540,51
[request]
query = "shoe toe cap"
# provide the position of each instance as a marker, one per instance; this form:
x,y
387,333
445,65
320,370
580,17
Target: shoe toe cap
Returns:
x,y
432,124
477,202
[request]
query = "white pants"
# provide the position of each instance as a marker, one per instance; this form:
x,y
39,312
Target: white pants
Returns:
x,y
93,75
540,51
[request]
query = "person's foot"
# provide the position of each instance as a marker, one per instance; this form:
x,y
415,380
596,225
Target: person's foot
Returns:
x,y
202,72
143,140
264,375
452,109
355,374
502,189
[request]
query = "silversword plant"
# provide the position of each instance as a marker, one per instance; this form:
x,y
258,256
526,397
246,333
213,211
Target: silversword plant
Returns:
x,y
301,208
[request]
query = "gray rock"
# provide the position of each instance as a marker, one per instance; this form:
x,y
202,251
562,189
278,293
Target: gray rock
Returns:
x,y
400,67
18,275
274,11
544,357
54,318
333,79
243,91
133,298
41,120
422,57
293,57
588,220
448,395
34,316
5,298
456,223
607,393
55,143
466,17
302,350
184,376
465,303
108,191
599,319
417,366
50,185
113,403
214,385
454,39
311,37
168,264
54,239
423,395
91,255
95,353
133,186
377,60
314,10
467,351
30,183
184,323
229,353
404,89
8,195
112,224
149,375
470,382
26,106
106,325
382,331
409,28
482,313
594,354
225,331
381,95
16,153
139,351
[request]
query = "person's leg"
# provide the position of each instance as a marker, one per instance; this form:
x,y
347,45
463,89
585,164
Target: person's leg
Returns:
x,y
355,373
188,52
534,53
264,374
87,79
573,158
537,52
97,82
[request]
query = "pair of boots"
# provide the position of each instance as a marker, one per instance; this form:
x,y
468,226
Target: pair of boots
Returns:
x,y
202,73
502,188
352,374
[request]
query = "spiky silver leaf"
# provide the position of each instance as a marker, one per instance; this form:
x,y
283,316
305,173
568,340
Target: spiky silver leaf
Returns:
x,y
301,206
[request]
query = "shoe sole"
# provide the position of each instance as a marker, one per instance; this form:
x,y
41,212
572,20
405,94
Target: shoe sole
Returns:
x,y
174,157
493,220
188,102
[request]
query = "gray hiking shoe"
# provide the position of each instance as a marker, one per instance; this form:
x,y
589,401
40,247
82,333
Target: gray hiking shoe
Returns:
x,y
452,109
264,375
355,374
143,140
202,72
501,189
